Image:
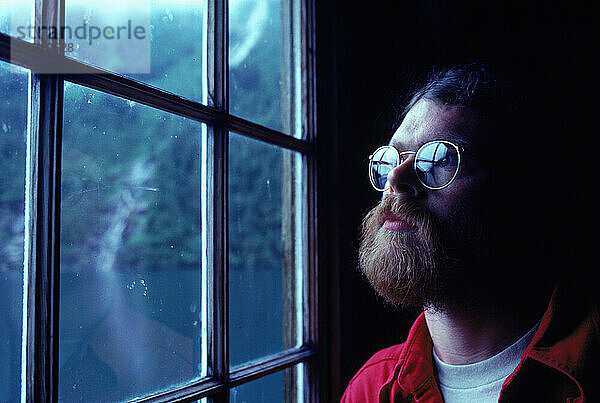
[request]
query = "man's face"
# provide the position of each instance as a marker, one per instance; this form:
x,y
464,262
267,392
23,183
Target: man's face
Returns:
x,y
427,247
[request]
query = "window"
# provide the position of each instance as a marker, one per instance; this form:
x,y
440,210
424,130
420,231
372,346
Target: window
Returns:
x,y
157,214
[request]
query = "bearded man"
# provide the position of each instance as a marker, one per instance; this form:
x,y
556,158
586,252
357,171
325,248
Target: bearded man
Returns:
x,y
463,232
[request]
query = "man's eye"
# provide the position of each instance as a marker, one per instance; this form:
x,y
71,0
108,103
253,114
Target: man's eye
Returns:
x,y
448,160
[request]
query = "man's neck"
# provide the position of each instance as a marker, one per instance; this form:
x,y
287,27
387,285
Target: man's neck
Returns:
x,y
468,336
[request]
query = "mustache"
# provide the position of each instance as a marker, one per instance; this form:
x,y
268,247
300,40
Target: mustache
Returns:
x,y
394,207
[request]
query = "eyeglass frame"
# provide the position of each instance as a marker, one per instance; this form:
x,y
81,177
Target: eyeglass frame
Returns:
x,y
399,154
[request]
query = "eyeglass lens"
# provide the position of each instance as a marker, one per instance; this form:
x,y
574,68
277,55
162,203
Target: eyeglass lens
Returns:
x,y
384,160
436,164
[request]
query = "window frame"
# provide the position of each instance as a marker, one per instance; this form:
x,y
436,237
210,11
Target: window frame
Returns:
x,y
43,201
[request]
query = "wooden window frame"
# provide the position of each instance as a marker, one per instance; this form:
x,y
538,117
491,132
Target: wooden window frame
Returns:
x,y
43,196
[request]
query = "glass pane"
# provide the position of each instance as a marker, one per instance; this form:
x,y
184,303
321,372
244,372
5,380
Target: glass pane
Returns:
x,y
281,387
16,18
265,249
13,130
158,42
132,319
263,64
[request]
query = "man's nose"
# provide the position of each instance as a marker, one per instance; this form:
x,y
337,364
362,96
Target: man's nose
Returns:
x,y
402,180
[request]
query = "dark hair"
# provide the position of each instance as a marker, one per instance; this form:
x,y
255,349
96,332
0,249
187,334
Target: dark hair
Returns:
x,y
498,99
515,145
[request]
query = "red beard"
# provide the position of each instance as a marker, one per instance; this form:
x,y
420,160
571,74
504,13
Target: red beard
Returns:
x,y
402,266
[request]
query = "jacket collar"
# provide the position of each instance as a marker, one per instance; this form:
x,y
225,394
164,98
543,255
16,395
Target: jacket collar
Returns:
x,y
568,331
415,371
568,337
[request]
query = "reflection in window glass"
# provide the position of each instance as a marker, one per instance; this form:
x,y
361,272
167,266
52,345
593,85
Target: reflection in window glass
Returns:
x,y
262,65
281,387
265,249
13,129
166,51
131,312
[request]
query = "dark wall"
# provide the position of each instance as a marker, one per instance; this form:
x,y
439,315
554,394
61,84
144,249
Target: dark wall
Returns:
x,y
380,48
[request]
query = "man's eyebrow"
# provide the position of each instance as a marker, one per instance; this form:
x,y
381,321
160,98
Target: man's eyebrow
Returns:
x,y
448,136
396,144
454,138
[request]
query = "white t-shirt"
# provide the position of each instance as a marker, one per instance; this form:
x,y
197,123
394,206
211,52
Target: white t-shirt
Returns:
x,y
481,381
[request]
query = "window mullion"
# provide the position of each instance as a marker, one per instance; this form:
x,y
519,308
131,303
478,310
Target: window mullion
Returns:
x,y
42,223
314,284
217,48
218,55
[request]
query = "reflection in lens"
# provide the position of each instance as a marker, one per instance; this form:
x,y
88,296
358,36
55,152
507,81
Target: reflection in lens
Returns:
x,y
436,164
384,160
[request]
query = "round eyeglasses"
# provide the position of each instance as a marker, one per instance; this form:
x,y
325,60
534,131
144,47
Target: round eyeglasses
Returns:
x,y
436,164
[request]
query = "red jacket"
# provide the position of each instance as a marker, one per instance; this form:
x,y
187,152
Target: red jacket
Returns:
x,y
562,363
